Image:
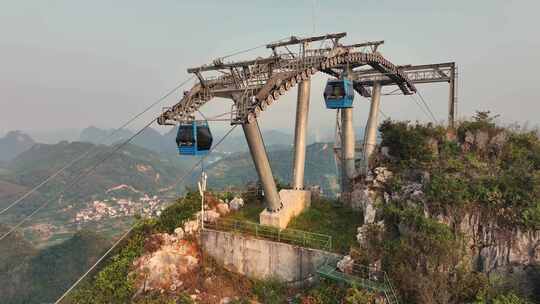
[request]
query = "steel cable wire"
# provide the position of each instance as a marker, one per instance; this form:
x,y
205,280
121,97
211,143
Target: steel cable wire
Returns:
x,y
78,178
133,227
95,148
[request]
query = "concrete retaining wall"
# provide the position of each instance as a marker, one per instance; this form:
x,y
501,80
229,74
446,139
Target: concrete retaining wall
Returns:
x,y
260,259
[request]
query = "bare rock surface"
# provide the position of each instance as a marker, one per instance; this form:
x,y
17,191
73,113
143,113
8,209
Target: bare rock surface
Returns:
x,y
169,258
346,264
236,203
191,227
222,208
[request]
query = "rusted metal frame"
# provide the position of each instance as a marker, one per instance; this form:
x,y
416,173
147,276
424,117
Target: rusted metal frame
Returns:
x,y
225,66
295,40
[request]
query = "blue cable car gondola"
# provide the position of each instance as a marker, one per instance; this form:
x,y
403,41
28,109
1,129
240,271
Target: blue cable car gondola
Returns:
x,y
194,138
338,94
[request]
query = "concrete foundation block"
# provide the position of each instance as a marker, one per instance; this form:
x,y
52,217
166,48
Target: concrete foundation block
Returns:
x,y
294,202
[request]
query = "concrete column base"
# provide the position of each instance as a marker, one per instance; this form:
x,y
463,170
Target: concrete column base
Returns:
x,y
294,202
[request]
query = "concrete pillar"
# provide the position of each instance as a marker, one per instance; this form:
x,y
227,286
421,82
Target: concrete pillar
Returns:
x,y
300,135
348,142
373,121
260,159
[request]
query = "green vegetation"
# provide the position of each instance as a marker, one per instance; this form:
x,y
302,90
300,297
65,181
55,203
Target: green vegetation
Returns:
x,y
238,170
113,284
330,218
482,169
325,216
32,276
270,291
499,176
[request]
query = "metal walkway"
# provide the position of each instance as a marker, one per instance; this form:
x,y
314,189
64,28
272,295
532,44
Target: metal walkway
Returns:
x,y
361,276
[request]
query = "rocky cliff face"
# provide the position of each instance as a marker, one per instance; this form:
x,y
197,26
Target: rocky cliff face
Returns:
x,y
492,244
494,248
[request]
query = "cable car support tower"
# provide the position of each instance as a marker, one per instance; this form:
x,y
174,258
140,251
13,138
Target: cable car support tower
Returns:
x,y
254,85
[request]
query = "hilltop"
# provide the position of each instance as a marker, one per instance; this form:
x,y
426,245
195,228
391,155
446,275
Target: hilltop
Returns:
x,y
453,217
14,143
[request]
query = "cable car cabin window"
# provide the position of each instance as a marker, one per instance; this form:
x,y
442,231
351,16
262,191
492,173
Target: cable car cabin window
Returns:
x,y
334,90
185,136
204,138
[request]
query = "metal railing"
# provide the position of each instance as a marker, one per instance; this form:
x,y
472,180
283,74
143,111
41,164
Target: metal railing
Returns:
x,y
365,276
289,236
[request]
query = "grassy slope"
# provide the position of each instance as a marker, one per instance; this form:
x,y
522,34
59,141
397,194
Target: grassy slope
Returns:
x,y
325,216
28,275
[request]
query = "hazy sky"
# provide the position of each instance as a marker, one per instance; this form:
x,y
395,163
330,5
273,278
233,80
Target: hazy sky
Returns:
x,y
71,64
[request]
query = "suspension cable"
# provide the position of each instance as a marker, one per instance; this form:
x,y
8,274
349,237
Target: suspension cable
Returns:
x,y
133,227
95,148
79,178
95,264
427,106
113,133
420,106
383,115
250,49
169,187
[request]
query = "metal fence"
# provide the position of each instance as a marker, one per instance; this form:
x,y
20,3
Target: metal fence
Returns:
x,y
365,276
289,236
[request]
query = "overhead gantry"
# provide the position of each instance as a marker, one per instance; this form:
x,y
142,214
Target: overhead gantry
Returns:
x,y
254,85
417,74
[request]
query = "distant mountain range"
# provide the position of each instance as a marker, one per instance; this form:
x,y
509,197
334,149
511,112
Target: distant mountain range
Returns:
x,y
237,169
152,140
133,173
146,167
14,143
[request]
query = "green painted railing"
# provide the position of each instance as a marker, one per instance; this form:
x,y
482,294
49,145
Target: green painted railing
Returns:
x,y
362,276
289,236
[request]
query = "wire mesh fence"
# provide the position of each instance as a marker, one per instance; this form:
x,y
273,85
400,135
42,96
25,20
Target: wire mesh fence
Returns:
x,y
290,236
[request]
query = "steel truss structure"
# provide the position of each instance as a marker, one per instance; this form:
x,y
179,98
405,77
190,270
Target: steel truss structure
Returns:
x,y
417,74
256,84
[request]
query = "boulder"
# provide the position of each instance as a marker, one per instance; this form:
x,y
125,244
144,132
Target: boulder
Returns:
x,y
222,208
468,142
211,216
385,152
497,143
433,146
364,199
162,268
362,232
481,139
381,175
225,300
191,227
179,233
346,264
236,203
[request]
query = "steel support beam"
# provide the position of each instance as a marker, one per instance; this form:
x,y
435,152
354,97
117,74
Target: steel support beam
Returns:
x,y
348,141
373,121
452,98
262,165
300,134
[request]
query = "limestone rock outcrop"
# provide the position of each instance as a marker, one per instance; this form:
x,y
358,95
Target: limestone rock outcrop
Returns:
x,y
167,260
